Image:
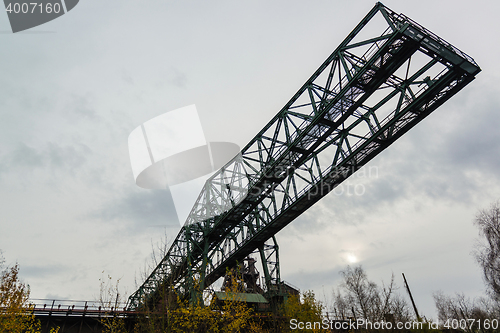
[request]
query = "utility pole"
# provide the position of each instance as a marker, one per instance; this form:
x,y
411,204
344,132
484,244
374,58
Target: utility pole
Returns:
x,y
411,297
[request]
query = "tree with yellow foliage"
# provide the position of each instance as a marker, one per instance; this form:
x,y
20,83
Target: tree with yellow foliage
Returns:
x,y
231,315
110,299
16,314
307,310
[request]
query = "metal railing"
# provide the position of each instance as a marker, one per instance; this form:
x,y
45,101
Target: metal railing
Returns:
x,y
52,307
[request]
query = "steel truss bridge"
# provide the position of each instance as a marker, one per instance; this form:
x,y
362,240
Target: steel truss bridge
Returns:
x,y
73,316
383,79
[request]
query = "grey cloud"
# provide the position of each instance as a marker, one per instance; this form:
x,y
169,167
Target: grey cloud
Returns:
x,y
126,77
310,280
52,156
82,107
454,161
144,208
177,78
67,156
39,271
25,156
474,142
384,190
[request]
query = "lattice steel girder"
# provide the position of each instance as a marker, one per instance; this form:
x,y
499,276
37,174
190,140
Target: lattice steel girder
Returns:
x,y
369,92
269,257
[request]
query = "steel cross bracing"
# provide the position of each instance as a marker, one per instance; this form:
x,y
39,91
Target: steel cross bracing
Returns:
x,y
371,90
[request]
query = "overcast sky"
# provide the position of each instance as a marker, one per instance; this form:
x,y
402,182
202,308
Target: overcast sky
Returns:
x,y
73,89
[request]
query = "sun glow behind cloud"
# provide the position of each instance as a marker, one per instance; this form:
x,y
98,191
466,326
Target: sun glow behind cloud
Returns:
x,y
351,258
